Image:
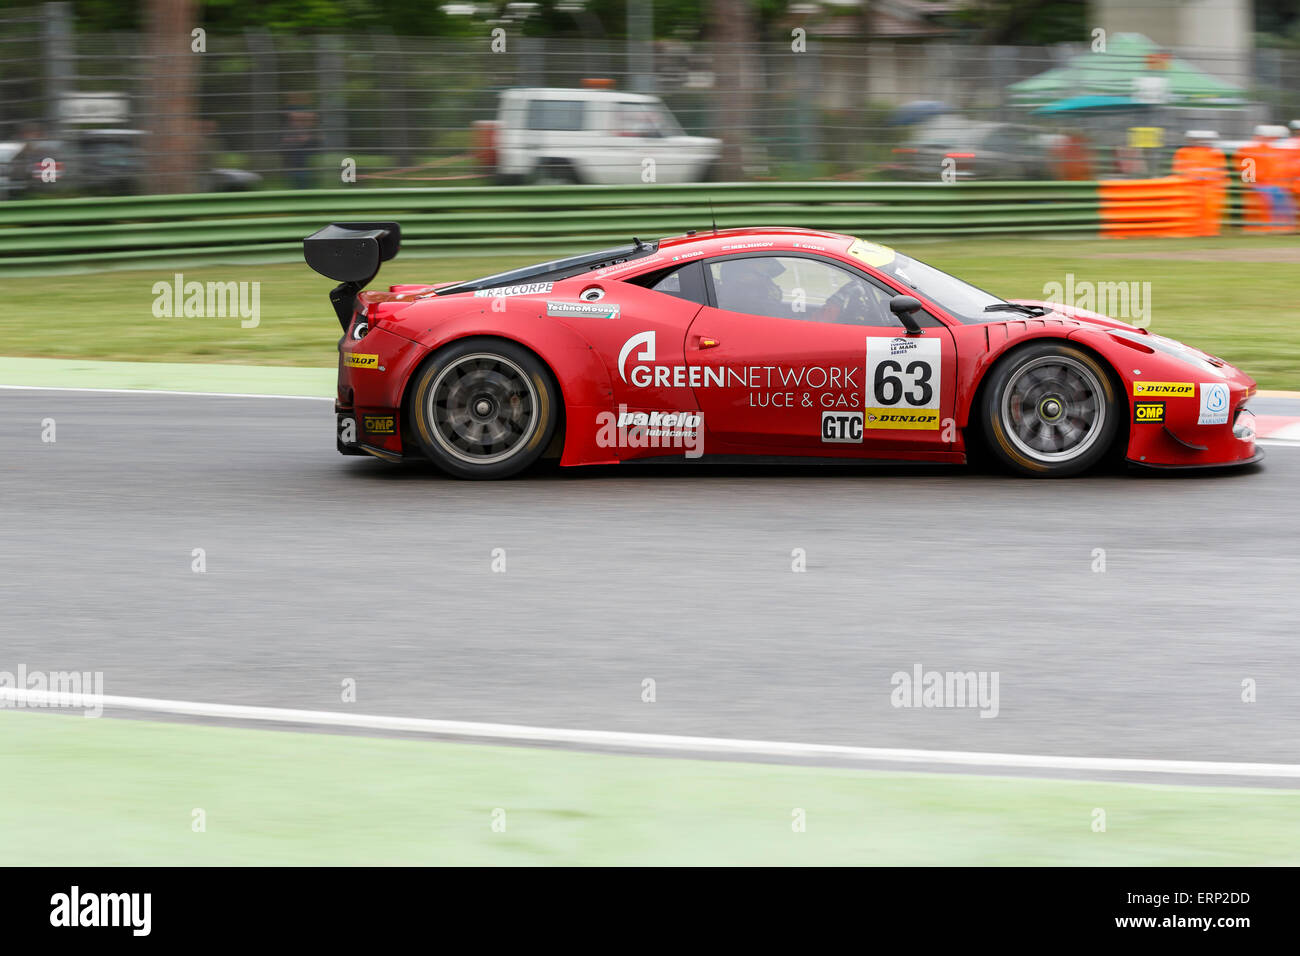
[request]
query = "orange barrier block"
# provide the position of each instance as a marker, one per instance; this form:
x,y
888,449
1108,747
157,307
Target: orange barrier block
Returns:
x,y
1168,206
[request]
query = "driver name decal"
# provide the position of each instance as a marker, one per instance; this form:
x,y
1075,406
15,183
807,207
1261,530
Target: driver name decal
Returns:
x,y
902,388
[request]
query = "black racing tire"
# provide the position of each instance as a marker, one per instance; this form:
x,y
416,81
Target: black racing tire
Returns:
x,y
1050,410
484,408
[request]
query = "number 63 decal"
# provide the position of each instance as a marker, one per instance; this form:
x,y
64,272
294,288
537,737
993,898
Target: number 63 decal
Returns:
x,y
889,387
903,371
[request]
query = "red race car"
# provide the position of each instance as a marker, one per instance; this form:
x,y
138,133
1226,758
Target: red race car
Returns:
x,y
775,342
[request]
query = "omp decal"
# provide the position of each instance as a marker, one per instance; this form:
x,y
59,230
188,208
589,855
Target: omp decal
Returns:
x,y
583,310
1148,412
903,382
1164,389
531,288
379,424
360,360
842,427
1214,404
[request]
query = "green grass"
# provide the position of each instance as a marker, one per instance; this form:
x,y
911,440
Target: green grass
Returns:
x,y
124,792
1244,311
109,315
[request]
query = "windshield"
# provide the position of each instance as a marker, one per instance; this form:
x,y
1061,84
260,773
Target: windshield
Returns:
x,y
960,299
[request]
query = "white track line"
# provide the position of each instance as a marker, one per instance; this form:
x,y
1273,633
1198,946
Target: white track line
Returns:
x,y
161,391
468,730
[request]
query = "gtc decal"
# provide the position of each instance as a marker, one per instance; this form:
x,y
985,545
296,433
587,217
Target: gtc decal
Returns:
x,y
1163,389
583,310
842,427
531,288
1214,404
1153,412
379,424
903,386
360,360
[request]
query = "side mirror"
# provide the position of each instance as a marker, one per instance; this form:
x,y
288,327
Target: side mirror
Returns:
x,y
906,307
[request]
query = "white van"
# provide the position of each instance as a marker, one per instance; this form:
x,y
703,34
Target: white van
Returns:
x,y
599,136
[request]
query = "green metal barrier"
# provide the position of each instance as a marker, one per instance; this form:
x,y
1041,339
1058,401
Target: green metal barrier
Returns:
x,y
89,231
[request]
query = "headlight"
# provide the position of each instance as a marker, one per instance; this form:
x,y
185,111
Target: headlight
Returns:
x,y
1244,427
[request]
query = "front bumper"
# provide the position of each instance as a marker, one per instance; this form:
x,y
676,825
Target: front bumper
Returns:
x,y
1178,442
1252,460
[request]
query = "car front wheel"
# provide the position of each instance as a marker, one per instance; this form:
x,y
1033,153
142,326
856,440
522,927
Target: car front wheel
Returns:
x,y
1050,410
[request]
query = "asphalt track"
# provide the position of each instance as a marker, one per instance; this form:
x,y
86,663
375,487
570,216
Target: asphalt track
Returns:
x,y
322,568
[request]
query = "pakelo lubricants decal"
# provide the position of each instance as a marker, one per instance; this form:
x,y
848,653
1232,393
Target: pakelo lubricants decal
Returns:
x,y
903,378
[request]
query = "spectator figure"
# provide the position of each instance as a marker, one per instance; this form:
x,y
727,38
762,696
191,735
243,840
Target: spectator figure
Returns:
x,y
1070,156
1292,144
1268,170
299,141
1205,167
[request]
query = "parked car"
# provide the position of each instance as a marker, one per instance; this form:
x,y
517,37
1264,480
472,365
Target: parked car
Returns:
x,y
602,136
973,149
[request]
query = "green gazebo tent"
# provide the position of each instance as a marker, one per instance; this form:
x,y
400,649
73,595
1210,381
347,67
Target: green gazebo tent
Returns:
x,y
1132,67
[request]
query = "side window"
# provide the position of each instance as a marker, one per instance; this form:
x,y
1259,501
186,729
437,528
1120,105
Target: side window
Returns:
x,y
555,114
637,119
792,287
682,282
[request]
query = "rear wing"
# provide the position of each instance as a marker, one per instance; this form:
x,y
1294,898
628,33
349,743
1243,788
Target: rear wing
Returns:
x,y
350,253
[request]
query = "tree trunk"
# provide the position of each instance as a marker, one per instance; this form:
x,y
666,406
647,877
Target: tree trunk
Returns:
x,y
174,153
735,48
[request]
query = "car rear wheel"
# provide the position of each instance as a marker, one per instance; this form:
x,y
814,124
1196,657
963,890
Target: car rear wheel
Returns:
x,y
484,408
1050,410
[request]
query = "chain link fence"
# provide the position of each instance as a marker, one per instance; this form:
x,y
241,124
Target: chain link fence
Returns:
x,y
94,114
